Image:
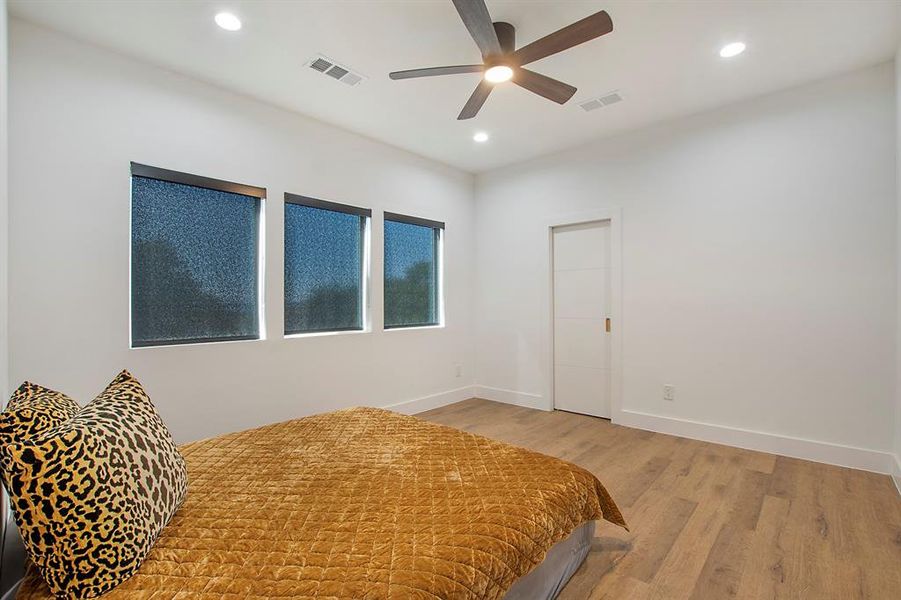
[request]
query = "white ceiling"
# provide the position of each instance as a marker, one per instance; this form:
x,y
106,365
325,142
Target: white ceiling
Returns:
x,y
662,58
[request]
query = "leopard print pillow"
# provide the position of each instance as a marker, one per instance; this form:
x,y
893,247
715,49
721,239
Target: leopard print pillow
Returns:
x,y
33,410
92,495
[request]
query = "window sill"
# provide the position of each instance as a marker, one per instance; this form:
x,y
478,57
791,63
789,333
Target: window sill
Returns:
x,y
193,344
413,328
314,334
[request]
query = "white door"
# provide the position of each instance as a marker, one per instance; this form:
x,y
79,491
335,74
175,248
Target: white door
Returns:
x,y
581,309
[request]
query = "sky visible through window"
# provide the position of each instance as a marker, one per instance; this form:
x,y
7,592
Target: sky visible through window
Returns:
x,y
323,269
194,263
411,283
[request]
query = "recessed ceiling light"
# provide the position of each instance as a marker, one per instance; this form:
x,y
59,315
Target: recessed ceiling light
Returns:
x,y
228,21
733,49
498,73
480,137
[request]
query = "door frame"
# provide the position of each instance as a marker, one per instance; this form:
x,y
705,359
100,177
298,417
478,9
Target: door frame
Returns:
x,y
614,216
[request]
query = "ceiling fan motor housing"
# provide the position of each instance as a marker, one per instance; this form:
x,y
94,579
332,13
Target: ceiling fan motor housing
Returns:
x,y
506,35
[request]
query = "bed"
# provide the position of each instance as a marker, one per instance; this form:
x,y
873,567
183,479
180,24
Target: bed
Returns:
x,y
365,503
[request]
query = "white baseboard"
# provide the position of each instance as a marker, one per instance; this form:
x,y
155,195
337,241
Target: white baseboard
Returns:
x,y
535,401
418,405
823,452
896,472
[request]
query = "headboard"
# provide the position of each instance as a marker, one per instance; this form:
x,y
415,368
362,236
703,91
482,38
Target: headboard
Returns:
x,y
12,552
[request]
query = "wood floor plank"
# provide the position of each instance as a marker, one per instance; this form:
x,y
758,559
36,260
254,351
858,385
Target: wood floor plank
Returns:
x,y
620,589
721,575
710,521
764,572
646,475
684,563
745,511
654,536
722,572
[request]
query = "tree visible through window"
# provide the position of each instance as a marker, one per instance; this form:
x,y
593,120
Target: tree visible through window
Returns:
x,y
194,259
324,265
412,271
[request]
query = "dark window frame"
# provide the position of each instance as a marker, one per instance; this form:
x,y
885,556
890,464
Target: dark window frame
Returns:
x,y
326,205
365,215
410,220
438,228
220,185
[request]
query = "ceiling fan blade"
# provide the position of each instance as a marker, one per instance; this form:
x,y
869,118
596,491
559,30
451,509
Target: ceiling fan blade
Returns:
x,y
476,101
543,85
579,32
432,71
477,20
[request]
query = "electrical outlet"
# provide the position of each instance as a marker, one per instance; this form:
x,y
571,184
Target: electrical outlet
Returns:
x,y
669,392
458,370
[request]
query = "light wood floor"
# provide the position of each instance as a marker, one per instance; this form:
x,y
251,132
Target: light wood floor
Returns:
x,y
710,521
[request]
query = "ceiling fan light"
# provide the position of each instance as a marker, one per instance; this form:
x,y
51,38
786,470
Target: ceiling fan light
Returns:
x,y
480,137
227,21
498,74
733,49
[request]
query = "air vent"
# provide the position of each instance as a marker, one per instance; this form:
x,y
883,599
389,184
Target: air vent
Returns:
x,y
601,101
327,66
321,65
611,99
337,72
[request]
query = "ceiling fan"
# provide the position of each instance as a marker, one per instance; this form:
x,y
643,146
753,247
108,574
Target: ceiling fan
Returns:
x,y
502,62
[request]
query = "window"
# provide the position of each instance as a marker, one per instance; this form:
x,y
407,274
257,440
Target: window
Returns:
x,y
195,256
326,265
412,271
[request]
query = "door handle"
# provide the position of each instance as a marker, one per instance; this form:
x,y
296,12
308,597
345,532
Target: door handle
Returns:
x,y
607,324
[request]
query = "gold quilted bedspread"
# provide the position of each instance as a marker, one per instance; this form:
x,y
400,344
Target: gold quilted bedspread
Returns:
x,y
360,503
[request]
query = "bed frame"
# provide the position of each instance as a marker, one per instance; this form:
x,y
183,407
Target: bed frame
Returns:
x,y
12,552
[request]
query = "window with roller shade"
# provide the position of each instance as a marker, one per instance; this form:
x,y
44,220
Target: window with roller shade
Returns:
x,y
413,271
195,256
326,266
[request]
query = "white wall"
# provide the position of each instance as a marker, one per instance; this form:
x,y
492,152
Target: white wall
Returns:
x,y
759,268
4,346
896,472
78,116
